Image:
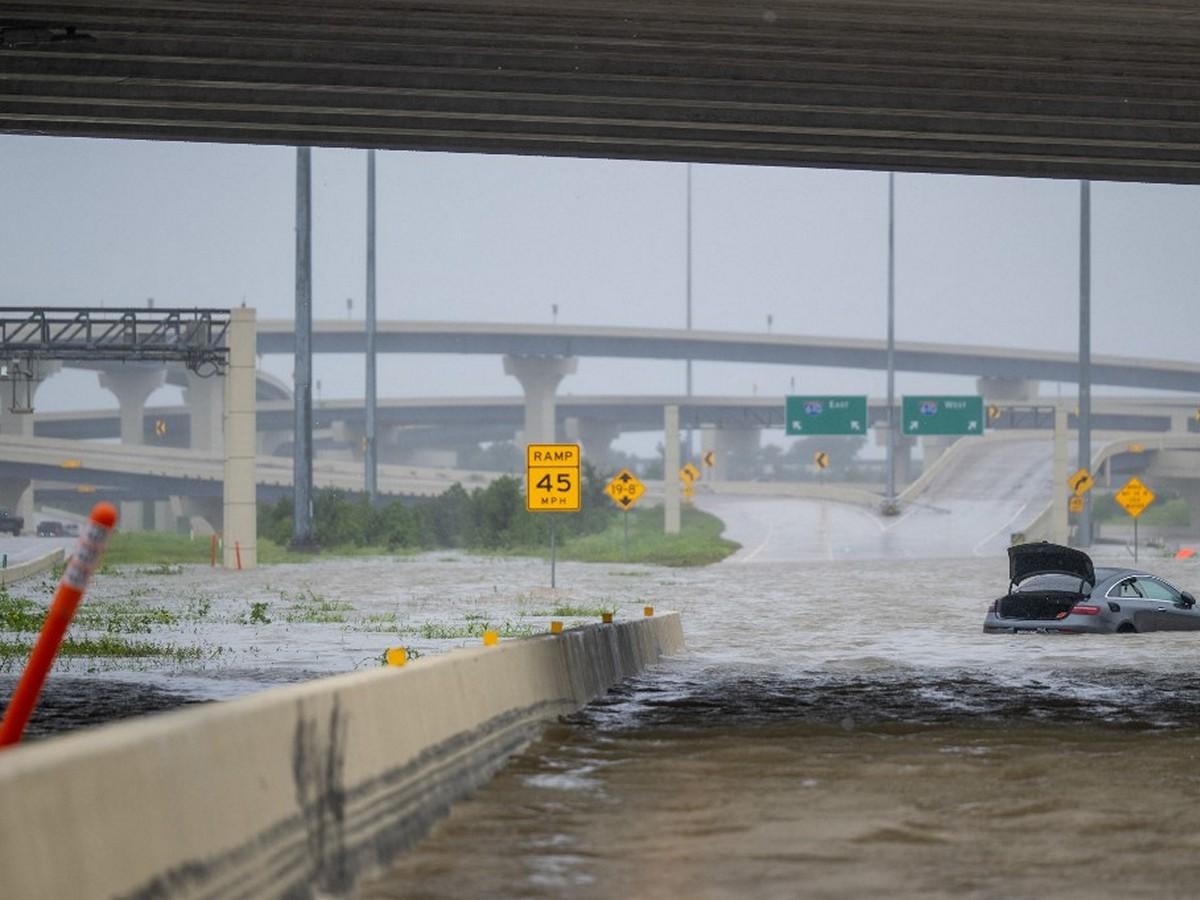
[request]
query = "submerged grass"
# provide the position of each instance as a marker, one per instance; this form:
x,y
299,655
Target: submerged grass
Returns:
x,y
699,542
107,646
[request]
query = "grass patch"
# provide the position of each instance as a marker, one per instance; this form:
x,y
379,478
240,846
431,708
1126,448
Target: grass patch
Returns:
x,y
162,553
1160,514
122,617
108,647
436,631
699,542
20,615
309,607
564,610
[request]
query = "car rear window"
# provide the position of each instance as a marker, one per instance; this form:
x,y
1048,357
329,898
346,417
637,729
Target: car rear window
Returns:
x,y
1050,583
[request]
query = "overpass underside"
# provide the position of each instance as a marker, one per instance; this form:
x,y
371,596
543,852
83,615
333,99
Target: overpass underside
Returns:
x,y
1060,88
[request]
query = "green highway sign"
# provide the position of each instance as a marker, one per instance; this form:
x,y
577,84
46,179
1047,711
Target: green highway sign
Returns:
x,y
943,415
826,415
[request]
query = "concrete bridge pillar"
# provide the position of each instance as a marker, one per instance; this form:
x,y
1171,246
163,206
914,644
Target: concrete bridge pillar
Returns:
x,y
1179,422
205,399
540,377
239,504
933,446
132,384
595,437
902,460
1008,390
671,486
16,494
736,449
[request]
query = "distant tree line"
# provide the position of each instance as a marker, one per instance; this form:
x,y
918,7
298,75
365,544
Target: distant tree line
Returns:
x,y
491,518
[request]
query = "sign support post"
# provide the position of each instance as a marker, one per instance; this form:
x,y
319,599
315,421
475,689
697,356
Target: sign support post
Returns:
x,y
553,553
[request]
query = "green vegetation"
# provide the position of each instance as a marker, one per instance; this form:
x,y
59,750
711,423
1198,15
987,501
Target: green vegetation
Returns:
x,y
311,607
1163,513
563,610
698,543
108,647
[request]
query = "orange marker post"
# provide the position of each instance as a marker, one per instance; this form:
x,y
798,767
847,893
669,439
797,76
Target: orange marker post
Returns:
x,y
66,600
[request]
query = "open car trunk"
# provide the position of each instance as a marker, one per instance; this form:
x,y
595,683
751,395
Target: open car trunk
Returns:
x,y
1037,604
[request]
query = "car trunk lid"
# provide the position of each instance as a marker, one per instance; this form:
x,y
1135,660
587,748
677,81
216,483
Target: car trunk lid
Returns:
x,y
1044,558
1054,599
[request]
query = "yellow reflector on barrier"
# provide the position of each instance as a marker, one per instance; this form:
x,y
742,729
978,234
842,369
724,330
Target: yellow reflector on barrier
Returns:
x,y
556,627
647,611
397,656
490,638
606,618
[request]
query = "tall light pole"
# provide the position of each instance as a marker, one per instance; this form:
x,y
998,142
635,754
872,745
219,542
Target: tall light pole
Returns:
x,y
370,456
1084,536
688,291
889,503
302,530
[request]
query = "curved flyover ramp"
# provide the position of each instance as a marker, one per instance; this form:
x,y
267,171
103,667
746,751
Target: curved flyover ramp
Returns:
x,y
983,492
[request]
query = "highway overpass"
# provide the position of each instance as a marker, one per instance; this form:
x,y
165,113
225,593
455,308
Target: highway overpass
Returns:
x,y
277,336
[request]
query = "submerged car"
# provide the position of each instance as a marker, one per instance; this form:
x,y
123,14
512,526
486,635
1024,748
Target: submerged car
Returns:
x,y
1056,589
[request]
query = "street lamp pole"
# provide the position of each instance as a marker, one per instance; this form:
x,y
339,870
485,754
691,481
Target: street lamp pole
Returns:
x,y
890,498
689,302
302,530
370,455
1084,537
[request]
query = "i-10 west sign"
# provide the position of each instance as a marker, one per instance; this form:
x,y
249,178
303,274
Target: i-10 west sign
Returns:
x,y
943,415
826,415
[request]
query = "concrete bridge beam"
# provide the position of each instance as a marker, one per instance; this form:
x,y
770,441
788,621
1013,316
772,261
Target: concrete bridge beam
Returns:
x,y
540,377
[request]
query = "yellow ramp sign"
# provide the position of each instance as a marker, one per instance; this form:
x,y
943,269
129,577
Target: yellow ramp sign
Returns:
x,y
625,489
1134,497
552,478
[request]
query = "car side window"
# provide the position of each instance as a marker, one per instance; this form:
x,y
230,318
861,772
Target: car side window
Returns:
x,y
1153,589
1128,588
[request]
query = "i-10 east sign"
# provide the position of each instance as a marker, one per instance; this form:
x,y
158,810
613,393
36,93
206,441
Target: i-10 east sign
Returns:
x,y
826,415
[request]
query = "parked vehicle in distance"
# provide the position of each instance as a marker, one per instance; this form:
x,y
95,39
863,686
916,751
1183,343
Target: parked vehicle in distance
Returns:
x,y
50,528
10,523
71,529
1056,589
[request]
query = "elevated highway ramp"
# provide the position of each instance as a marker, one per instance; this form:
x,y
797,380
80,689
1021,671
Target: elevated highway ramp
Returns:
x,y
149,472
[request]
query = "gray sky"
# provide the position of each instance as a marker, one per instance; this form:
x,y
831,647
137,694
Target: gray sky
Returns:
x,y
979,260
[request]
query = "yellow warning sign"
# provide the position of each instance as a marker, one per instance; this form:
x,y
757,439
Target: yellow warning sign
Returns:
x,y
710,458
689,474
1134,497
625,489
689,491
1075,504
160,427
821,458
552,478
1081,482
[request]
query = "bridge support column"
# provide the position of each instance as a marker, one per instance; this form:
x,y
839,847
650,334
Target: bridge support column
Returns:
x,y
205,399
901,459
16,494
1008,390
671,469
1179,422
595,436
933,446
238,499
736,449
132,384
540,377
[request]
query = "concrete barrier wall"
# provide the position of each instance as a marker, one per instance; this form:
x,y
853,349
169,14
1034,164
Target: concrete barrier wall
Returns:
x,y
298,791
29,568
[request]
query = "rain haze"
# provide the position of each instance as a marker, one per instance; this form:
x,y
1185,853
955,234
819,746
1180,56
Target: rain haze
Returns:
x,y
507,239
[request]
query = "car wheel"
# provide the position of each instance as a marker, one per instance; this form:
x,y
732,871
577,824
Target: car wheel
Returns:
x,y
1126,628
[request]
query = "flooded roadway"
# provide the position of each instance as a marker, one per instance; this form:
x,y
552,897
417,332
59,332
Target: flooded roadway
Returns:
x,y
842,728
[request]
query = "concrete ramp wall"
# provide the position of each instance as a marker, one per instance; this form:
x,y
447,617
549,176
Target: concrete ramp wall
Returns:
x,y
299,791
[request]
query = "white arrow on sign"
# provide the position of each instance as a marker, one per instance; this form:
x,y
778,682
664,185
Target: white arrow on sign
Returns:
x,y
856,426
971,426
914,424
797,425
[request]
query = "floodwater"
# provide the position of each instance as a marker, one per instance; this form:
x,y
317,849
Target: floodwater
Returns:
x,y
842,728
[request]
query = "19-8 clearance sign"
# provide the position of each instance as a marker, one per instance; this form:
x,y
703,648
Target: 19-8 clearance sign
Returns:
x,y
552,478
